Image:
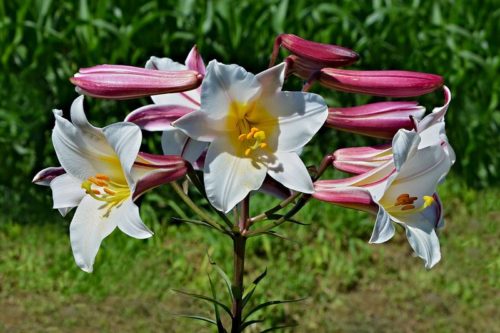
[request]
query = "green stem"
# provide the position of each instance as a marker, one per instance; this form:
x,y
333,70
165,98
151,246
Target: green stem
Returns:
x,y
195,208
239,242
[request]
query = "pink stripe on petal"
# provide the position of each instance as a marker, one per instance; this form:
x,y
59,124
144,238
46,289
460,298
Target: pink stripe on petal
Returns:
x,y
45,176
350,197
157,117
194,61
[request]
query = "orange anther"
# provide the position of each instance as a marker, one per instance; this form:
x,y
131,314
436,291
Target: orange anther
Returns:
x,y
402,196
96,191
407,207
263,145
108,191
242,137
101,176
248,151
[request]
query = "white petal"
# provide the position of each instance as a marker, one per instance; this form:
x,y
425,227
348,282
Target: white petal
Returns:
x,y
272,79
420,175
199,126
224,84
87,230
229,178
67,192
125,138
80,154
175,142
80,121
383,229
424,241
432,135
404,144
300,116
164,64
129,221
290,171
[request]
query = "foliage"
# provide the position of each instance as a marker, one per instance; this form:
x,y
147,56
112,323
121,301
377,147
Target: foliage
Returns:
x,y
44,42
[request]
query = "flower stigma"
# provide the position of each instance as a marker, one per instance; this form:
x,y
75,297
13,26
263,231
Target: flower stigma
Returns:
x,y
404,204
102,188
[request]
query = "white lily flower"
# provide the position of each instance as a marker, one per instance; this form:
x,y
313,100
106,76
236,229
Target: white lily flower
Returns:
x,y
401,191
253,129
102,172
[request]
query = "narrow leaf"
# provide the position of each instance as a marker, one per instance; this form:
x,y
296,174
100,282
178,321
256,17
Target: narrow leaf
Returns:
x,y
220,327
205,298
269,303
224,276
250,322
208,320
250,289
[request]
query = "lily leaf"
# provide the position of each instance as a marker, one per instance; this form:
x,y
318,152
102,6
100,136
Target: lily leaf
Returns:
x,y
251,289
206,298
220,327
250,322
269,303
201,318
223,275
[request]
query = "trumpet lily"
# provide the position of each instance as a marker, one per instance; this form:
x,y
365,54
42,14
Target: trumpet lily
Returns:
x,y
253,129
124,82
102,173
405,194
431,130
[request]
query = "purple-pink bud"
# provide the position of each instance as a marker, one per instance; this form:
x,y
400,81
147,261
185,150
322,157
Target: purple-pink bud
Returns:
x,y
327,55
358,160
390,83
380,120
125,82
349,197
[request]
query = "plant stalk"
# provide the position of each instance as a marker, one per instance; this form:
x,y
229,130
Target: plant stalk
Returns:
x,y
239,242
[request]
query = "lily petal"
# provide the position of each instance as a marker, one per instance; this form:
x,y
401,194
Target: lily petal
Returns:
x,y
383,229
87,230
129,221
66,192
45,176
194,61
294,110
424,241
272,79
175,142
291,172
404,144
240,176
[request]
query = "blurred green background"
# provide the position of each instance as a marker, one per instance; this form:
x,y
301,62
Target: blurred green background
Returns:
x,y
352,286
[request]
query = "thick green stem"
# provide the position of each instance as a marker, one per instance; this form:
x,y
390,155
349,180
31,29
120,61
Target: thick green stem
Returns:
x,y
239,242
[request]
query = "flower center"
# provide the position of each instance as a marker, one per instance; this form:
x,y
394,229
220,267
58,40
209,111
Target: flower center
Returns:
x,y
102,188
254,139
404,204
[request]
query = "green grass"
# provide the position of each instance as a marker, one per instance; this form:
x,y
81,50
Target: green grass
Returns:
x,y
351,286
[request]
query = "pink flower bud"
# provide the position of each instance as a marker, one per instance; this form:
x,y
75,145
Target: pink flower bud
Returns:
x,y
380,83
349,197
358,160
125,82
326,55
380,120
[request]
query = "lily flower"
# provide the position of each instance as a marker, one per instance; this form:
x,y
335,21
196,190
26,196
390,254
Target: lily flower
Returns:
x,y
431,130
323,55
125,82
253,129
170,107
405,195
380,120
102,174
390,83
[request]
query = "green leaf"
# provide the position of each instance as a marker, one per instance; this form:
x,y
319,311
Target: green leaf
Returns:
x,y
195,222
208,320
220,327
250,289
270,303
224,276
250,322
206,298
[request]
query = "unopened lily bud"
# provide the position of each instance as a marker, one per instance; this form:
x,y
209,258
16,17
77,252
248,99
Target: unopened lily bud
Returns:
x,y
125,82
326,55
390,83
349,197
358,160
380,120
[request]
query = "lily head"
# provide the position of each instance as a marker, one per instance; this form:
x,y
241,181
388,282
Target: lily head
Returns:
x,y
253,129
404,190
103,172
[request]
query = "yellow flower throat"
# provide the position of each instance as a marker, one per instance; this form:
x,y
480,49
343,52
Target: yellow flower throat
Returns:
x,y
102,188
404,204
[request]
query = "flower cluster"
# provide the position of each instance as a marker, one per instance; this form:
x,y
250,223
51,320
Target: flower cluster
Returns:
x,y
233,133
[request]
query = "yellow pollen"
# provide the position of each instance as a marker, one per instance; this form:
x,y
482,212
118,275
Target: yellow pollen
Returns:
x,y
102,188
253,140
242,137
101,176
263,145
248,151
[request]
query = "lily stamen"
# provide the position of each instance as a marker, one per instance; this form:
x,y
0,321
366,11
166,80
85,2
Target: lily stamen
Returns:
x,y
256,138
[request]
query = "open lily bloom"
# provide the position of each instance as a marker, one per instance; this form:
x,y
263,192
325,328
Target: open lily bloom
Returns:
x,y
170,107
102,173
431,130
253,129
402,191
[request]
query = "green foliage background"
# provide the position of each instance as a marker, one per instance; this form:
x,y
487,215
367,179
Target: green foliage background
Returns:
x,y
43,43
